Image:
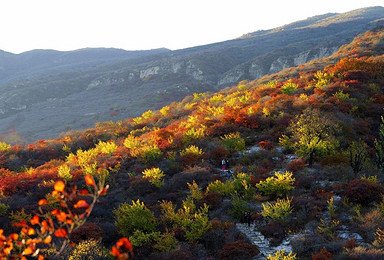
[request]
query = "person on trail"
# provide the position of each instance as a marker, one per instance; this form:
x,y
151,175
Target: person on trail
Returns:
x,y
229,174
227,164
223,164
247,217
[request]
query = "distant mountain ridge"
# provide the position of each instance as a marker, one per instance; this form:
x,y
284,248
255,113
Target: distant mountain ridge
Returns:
x,y
41,62
82,87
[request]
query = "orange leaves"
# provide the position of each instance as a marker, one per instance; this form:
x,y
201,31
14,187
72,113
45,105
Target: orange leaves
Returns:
x,y
47,240
81,204
90,181
125,244
122,249
59,186
28,251
35,220
60,221
61,232
43,202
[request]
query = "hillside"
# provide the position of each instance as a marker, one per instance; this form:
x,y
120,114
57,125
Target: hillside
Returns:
x,y
305,152
45,106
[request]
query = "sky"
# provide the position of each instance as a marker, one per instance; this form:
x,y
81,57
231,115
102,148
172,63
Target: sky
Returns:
x,y
148,24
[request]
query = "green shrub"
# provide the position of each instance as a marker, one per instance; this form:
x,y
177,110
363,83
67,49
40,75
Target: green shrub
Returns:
x,y
154,176
281,255
88,249
107,147
288,88
233,142
224,188
3,209
150,153
277,211
194,190
4,146
194,222
239,206
134,221
192,149
64,171
278,186
166,242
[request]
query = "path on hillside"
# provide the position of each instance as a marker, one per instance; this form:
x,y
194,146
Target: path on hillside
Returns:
x,y
259,240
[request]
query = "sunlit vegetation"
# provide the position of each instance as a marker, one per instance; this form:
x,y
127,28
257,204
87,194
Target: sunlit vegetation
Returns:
x,y
291,148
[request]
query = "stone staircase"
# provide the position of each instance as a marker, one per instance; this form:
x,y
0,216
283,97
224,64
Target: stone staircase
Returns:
x,y
259,240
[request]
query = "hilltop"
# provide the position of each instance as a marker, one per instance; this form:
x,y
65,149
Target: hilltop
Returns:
x,y
305,152
44,93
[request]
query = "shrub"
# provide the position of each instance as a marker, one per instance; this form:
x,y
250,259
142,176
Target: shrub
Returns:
x,y
312,135
154,176
279,185
363,192
64,171
192,149
133,218
238,250
239,206
88,231
322,255
194,222
4,146
327,228
195,191
358,155
89,249
223,188
265,145
277,211
281,255
288,88
150,153
3,209
233,142
296,165
274,230
106,147
165,242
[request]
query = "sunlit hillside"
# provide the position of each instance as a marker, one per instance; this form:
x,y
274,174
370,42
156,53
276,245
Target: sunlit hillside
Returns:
x,y
305,156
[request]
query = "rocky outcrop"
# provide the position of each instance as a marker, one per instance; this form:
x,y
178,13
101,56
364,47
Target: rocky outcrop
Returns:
x,y
273,63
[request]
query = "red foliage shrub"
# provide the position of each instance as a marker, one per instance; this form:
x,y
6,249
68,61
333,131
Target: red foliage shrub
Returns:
x,y
221,128
361,126
238,250
350,243
273,229
5,173
85,232
296,165
322,255
378,98
219,153
212,199
189,159
266,145
247,121
363,192
180,254
359,75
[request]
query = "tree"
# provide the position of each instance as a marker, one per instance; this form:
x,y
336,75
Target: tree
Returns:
x,y
379,146
311,135
358,155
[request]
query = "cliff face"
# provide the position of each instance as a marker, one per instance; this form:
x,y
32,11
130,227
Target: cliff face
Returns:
x,y
57,91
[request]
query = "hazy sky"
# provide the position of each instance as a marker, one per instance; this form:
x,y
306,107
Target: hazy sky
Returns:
x,y
148,24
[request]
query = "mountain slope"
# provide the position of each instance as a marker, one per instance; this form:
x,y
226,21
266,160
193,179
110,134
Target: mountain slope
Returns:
x,y
45,106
